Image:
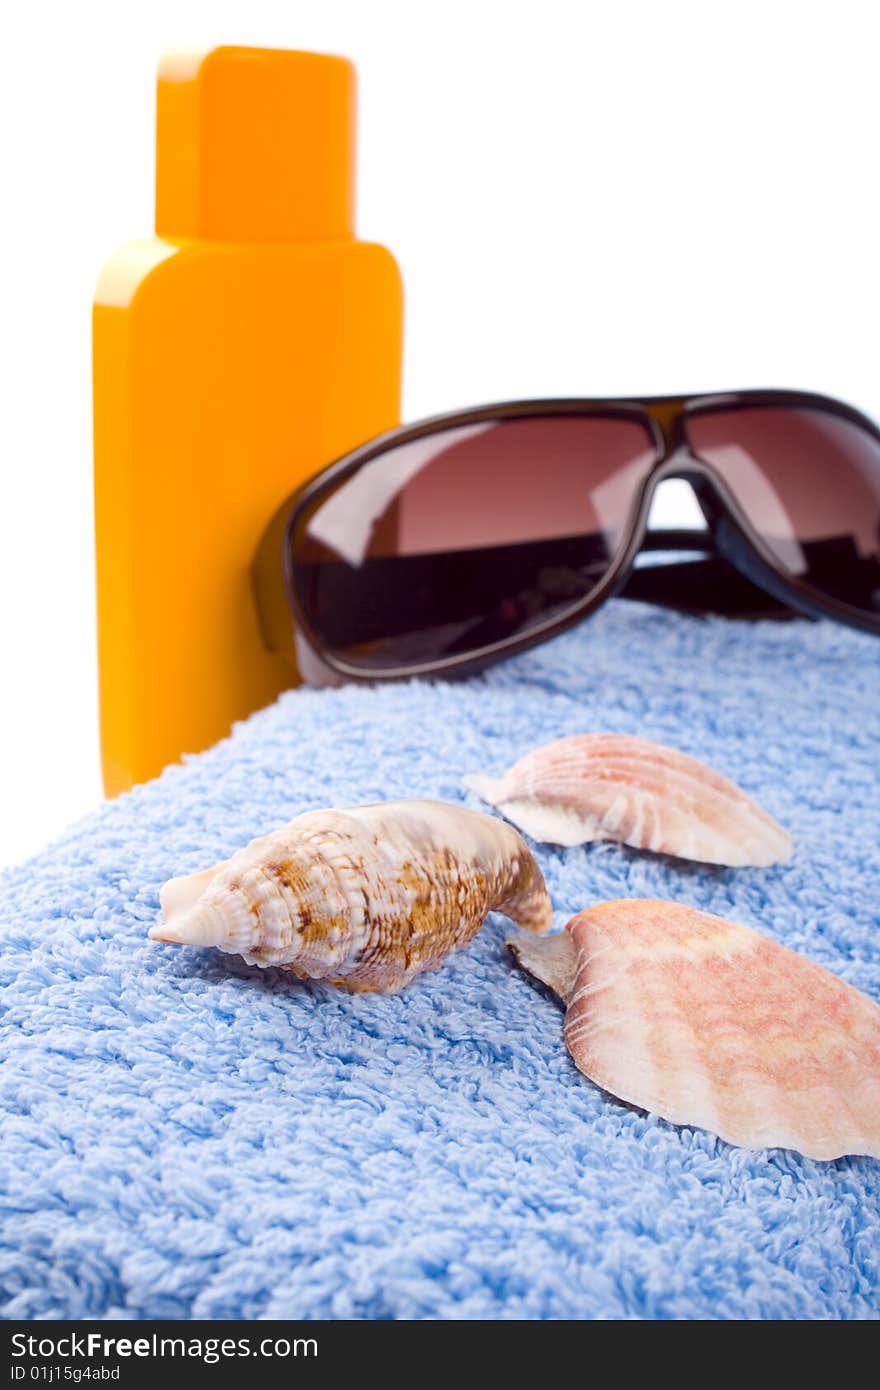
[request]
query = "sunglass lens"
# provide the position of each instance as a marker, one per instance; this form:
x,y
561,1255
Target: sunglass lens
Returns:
x,y
808,481
467,537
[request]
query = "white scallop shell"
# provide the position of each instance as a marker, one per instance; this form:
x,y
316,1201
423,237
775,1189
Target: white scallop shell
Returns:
x,y
640,793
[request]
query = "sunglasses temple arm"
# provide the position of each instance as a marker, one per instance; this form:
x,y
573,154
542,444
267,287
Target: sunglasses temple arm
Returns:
x,y
707,584
691,540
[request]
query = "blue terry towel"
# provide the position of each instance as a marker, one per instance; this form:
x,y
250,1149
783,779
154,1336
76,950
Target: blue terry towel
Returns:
x,y
185,1136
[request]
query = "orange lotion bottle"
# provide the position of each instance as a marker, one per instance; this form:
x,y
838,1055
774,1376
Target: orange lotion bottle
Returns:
x,y
252,341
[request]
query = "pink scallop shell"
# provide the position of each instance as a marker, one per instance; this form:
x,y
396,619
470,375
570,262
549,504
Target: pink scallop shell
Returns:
x,y
709,1023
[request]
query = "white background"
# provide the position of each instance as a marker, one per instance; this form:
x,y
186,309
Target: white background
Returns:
x,y
584,198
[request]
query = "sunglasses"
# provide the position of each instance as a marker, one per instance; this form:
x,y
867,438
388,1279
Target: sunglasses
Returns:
x,y
444,545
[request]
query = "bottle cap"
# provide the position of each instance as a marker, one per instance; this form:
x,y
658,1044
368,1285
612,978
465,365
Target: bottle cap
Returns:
x,y
255,145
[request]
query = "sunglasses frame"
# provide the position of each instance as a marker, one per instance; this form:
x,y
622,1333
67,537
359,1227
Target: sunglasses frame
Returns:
x,y
734,537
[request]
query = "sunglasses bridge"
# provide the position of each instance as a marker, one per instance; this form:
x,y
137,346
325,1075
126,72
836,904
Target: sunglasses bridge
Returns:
x,y
726,526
